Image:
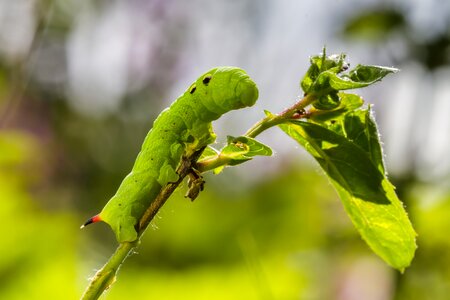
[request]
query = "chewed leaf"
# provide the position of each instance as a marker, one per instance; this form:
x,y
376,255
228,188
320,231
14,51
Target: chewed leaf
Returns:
x,y
359,77
375,25
241,149
368,196
370,74
238,150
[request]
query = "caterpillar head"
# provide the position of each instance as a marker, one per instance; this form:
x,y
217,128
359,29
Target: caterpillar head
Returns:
x,y
225,88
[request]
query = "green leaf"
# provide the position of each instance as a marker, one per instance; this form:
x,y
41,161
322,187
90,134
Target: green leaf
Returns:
x,y
241,149
370,74
238,150
321,63
348,102
359,77
368,196
361,129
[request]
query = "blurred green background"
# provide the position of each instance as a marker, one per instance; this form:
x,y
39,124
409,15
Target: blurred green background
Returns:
x,y
81,83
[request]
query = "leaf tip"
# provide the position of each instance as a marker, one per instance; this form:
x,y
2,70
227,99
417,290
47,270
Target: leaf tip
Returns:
x,y
268,113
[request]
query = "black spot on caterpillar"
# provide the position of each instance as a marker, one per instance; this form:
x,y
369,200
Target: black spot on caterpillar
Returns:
x,y
206,79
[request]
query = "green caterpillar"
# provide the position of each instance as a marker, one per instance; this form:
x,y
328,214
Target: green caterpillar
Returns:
x,y
181,130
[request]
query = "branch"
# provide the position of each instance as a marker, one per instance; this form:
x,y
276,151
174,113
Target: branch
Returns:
x,y
293,112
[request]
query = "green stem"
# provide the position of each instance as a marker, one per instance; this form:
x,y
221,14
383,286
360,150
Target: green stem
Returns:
x,y
106,276
264,124
274,120
212,163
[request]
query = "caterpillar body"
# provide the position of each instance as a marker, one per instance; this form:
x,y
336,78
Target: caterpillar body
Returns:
x,y
182,129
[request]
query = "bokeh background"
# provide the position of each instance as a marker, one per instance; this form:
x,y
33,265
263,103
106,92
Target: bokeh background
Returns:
x,y
82,81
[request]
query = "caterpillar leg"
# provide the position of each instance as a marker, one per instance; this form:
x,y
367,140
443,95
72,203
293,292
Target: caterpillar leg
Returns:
x,y
195,184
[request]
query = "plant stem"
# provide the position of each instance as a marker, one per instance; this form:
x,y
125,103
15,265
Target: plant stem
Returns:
x,y
105,277
273,120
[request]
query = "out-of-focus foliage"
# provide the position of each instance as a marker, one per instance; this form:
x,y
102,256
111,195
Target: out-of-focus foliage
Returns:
x,y
378,26
38,245
375,25
429,275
